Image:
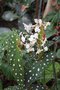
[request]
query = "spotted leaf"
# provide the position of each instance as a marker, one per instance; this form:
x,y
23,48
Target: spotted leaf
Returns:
x,y
37,87
12,88
10,43
15,60
35,70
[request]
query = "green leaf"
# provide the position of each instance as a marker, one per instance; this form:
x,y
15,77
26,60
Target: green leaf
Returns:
x,y
50,16
58,83
26,2
3,46
15,59
35,70
58,1
50,31
50,43
49,73
56,18
37,86
6,69
11,88
57,39
1,85
4,30
58,53
9,16
53,17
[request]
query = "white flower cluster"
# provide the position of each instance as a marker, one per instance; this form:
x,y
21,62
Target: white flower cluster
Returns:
x,y
31,37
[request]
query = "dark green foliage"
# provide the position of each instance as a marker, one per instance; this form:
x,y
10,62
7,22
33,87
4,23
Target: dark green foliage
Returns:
x,y
50,31
36,68
24,2
12,88
6,69
58,53
54,17
37,86
9,1
0,85
58,1
14,64
53,35
30,71
15,60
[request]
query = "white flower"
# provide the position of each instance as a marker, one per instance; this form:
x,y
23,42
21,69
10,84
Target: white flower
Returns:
x,y
46,24
30,49
20,33
38,21
46,48
33,42
27,27
36,35
27,45
23,38
39,51
43,42
31,38
37,29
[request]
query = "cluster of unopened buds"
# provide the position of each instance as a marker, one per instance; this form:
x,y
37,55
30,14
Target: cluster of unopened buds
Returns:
x,y
34,38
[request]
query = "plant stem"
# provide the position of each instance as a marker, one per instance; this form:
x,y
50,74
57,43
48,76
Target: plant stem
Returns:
x,y
55,77
44,75
36,12
54,70
40,8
